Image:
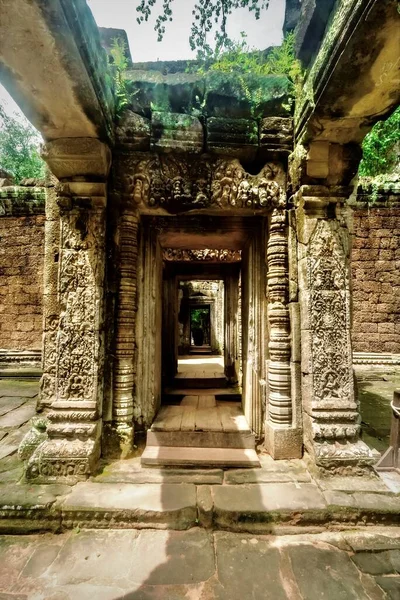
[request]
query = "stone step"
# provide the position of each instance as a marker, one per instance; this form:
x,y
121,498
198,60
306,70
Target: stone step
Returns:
x,y
202,439
200,382
206,457
232,394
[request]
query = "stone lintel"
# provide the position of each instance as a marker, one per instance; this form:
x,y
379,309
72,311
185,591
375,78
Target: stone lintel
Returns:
x,y
283,443
70,158
53,64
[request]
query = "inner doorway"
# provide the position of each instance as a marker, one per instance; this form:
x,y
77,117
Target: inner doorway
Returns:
x,y
205,390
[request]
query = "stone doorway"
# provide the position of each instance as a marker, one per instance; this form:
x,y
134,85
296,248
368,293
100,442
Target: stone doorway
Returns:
x,y
192,267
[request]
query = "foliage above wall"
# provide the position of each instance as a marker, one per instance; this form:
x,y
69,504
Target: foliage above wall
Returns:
x,y
207,15
381,148
19,148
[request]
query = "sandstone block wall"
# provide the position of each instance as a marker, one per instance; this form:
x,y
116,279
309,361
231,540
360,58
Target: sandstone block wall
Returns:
x,y
375,269
21,268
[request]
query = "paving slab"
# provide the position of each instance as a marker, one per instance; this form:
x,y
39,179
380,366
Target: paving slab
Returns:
x,y
325,570
251,506
19,416
378,563
268,475
19,387
391,586
129,505
354,484
25,508
8,403
380,538
250,567
173,557
130,471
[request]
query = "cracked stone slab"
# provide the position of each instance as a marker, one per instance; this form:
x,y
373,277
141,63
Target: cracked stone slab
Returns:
x,y
149,505
382,538
317,568
378,563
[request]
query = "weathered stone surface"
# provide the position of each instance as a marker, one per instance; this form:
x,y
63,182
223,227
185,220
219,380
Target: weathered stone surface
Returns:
x,y
276,133
133,133
130,471
382,563
190,557
165,564
390,585
9,403
19,416
252,506
65,91
353,484
271,471
333,578
248,556
176,132
382,538
205,505
160,506
235,137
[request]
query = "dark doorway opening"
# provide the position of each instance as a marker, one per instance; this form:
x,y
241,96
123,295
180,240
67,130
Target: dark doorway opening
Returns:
x,y
200,327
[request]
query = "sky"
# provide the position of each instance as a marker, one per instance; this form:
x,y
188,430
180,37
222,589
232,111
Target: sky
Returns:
x,y
121,14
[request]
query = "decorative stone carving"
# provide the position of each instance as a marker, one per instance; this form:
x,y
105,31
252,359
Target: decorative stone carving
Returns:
x,y
329,314
177,186
279,376
73,340
206,255
331,414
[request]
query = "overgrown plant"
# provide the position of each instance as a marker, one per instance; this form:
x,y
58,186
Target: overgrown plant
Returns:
x,y
239,59
119,64
19,148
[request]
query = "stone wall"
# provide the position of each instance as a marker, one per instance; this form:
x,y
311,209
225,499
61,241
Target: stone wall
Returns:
x,y
22,221
375,268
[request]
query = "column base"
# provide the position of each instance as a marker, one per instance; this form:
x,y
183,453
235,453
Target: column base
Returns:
x,y
341,458
283,443
63,461
117,440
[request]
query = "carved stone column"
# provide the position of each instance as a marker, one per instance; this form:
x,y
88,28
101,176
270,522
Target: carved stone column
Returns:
x,y
283,437
118,436
75,320
231,318
330,407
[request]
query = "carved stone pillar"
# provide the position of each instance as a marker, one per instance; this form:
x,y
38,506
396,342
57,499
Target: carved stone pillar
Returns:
x,y
75,319
231,318
330,407
283,437
118,436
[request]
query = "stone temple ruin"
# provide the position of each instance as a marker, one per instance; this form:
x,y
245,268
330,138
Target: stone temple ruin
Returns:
x,y
196,182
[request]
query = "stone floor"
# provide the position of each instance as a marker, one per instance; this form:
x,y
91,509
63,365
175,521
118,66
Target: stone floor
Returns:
x,y
200,565
278,497
195,367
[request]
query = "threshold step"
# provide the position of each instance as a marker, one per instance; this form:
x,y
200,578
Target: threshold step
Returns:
x,y
200,382
202,439
206,457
